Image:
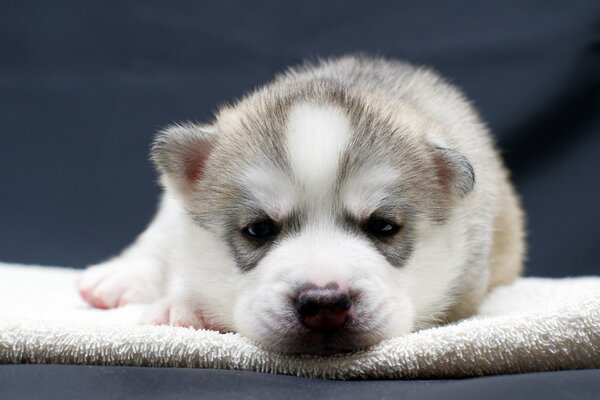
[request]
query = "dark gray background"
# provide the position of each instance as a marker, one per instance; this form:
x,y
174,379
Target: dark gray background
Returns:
x,y
83,86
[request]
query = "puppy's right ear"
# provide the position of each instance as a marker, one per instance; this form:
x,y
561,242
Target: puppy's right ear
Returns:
x,y
180,153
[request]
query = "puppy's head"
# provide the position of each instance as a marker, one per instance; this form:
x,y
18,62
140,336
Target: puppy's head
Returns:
x,y
321,200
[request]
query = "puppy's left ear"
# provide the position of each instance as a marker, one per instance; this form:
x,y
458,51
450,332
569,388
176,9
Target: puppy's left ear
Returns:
x,y
454,172
180,153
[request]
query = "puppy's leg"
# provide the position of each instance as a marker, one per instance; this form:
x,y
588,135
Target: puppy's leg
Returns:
x,y
139,274
176,309
181,305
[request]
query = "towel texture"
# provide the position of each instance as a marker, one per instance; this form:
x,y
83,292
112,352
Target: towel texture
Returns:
x,y
533,325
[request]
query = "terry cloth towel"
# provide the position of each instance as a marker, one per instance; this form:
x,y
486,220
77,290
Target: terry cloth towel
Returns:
x,y
533,325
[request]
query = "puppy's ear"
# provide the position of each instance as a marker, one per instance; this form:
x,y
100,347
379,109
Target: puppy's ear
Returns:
x,y
180,153
454,172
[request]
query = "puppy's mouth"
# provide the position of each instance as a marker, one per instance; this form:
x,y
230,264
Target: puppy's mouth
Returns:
x,y
327,343
322,343
323,321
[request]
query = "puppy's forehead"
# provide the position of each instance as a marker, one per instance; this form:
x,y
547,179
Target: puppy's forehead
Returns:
x,y
313,138
316,136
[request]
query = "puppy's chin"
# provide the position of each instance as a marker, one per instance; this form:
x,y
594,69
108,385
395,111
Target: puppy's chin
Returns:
x,y
281,330
325,343
328,342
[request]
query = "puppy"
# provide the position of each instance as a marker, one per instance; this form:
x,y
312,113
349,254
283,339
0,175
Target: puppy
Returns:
x,y
346,202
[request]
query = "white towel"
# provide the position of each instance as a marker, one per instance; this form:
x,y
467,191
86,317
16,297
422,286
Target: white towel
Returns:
x,y
533,325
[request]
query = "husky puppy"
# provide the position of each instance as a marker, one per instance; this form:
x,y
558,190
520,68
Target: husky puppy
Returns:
x,y
345,202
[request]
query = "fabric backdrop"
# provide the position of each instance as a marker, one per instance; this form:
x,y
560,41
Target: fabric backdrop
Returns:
x,y
83,86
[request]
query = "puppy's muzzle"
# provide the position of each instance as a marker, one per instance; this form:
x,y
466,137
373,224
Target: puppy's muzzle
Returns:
x,y
322,308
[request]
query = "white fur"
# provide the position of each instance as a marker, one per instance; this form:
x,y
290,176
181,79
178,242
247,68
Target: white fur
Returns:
x,y
316,136
174,263
322,254
436,264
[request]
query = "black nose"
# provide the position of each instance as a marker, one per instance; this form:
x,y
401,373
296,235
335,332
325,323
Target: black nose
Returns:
x,y
323,308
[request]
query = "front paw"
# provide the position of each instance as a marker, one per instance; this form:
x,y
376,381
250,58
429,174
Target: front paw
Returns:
x,y
115,284
175,311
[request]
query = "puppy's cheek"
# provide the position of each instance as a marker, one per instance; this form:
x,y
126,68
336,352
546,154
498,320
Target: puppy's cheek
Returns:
x,y
252,319
263,309
245,321
402,321
384,306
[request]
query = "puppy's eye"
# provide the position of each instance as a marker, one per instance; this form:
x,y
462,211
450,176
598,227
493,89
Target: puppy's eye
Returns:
x,y
260,230
381,227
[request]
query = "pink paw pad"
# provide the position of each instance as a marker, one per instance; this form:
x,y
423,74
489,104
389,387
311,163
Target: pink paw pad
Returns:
x,y
98,303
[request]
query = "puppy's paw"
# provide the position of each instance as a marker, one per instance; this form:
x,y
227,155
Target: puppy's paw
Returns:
x,y
174,311
115,284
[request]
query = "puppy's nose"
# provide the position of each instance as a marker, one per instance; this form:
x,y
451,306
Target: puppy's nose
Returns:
x,y
323,308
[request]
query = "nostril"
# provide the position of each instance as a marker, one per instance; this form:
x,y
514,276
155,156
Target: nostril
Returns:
x,y
342,302
307,306
323,308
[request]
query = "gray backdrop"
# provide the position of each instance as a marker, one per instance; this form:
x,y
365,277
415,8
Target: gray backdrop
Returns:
x,y
83,86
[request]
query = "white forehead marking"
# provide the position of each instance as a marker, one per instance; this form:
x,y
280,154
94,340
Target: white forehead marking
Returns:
x,y
316,137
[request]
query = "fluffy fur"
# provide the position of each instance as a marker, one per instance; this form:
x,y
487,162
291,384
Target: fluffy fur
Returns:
x,y
319,153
